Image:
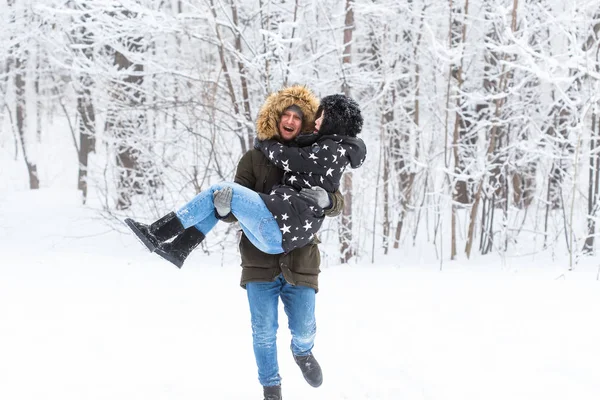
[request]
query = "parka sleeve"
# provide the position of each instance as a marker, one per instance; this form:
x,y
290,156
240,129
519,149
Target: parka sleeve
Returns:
x,y
337,204
297,159
244,174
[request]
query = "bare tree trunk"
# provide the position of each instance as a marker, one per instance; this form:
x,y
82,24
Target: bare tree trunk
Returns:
x,y
243,80
492,87
236,108
137,175
499,103
593,185
38,103
386,131
85,109
289,60
461,134
7,66
21,115
456,36
265,26
594,166
416,121
386,191
87,130
345,230
401,140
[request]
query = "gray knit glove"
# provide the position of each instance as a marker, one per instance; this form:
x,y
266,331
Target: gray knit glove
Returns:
x,y
318,195
222,201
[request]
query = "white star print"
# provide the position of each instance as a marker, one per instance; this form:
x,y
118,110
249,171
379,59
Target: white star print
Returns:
x,y
329,172
307,183
284,217
294,238
307,226
286,196
292,179
342,151
321,179
325,147
334,158
312,156
271,155
285,229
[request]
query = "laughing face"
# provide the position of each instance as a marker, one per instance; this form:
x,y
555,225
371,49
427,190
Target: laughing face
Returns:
x,y
289,125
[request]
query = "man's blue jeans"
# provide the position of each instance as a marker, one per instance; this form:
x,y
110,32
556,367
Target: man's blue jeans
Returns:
x,y
254,217
299,305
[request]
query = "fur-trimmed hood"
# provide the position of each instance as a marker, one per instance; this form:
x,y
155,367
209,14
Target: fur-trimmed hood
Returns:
x,y
276,103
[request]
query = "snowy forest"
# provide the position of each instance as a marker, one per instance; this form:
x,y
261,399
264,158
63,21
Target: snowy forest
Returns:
x,y
482,117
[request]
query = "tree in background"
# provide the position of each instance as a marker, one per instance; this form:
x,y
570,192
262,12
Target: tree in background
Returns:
x,y
484,112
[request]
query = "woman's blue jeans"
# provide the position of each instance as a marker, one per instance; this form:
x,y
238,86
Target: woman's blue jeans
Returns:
x,y
254,217
299,305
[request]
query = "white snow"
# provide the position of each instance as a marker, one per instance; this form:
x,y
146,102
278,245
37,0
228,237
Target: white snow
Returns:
x,y
87,313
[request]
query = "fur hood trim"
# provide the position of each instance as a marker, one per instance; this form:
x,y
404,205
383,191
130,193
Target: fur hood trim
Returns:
x,y
276,103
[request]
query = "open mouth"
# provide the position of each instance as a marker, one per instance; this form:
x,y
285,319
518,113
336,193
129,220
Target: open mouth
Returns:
x,y
288,129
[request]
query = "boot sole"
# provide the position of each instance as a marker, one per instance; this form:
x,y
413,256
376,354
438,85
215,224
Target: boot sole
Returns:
x,y
169,258
140,235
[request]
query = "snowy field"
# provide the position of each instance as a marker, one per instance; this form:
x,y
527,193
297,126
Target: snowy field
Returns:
x,y
86,313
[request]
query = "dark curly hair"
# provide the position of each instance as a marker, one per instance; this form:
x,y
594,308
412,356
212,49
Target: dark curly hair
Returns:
x,y
342,116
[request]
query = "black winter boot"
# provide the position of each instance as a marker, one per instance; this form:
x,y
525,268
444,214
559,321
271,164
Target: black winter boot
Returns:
x,y
159,231
272,392
177,251
310,369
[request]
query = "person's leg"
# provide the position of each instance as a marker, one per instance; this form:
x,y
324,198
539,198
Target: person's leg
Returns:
x,y
256,220
254,217
199,212
180,248
263,298
299,305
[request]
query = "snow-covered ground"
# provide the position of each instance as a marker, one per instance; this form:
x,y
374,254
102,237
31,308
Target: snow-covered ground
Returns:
x,y
87,313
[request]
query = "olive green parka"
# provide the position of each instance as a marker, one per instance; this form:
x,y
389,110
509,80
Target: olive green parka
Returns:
x,y
301,265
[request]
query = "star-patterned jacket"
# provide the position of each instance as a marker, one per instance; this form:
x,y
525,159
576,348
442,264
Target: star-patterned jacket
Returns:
x,y
320,161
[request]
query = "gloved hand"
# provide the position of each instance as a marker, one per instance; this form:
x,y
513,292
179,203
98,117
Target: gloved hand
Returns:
x,y
318,195
222,201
